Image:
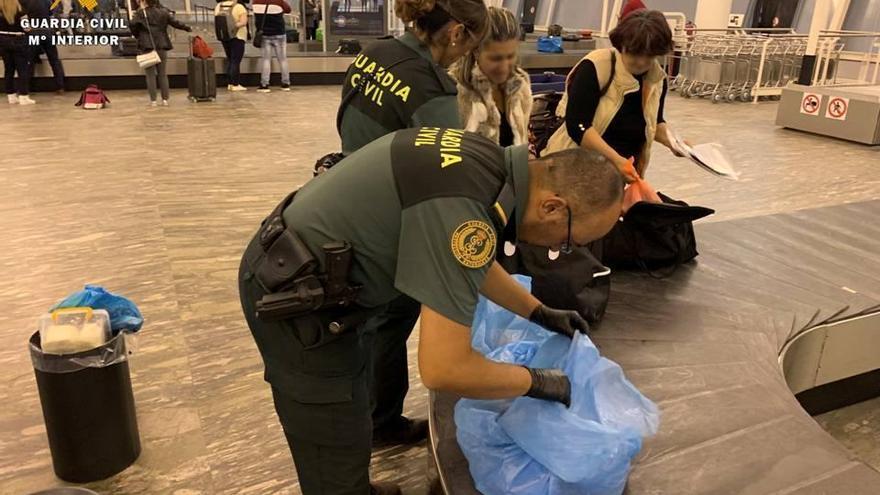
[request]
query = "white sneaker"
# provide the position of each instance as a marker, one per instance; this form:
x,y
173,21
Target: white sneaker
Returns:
x,y
228,87
153,103
25,100
164,103
237,87
13,98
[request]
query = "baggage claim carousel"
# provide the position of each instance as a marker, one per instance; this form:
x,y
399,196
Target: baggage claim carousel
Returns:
x,y
84,65
776,320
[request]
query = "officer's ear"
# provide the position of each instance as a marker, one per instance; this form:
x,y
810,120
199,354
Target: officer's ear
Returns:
x,y
457,33
553,207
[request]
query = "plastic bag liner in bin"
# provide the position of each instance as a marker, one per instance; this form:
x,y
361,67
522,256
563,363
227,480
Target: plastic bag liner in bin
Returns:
x,y
534,447
124,314
89,410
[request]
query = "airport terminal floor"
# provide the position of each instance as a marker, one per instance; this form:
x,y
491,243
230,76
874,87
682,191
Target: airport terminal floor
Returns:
x,y
158,204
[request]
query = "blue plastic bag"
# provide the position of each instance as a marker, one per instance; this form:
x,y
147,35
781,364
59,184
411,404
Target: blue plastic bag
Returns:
x,y
550,44
528,446
124,314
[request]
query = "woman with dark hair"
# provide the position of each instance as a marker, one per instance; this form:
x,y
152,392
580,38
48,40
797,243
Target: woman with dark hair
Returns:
x,y
615,96
150,26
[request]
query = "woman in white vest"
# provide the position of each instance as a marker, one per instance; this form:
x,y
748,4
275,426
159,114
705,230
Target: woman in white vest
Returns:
x,y
615,96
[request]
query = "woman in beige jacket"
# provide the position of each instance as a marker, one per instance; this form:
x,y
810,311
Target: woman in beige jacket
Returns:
x,y
615,97
494,95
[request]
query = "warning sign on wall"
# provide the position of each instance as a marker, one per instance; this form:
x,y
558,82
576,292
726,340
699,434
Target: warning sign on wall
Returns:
x,y
837,108
810,103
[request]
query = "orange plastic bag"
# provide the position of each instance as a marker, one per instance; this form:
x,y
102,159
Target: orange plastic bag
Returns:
x,y
638,191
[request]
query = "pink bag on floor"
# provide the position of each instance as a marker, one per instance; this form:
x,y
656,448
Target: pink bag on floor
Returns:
x,y
92,98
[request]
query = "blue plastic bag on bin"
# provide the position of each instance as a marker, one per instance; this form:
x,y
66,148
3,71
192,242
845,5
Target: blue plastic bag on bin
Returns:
x,y
532,447
124,314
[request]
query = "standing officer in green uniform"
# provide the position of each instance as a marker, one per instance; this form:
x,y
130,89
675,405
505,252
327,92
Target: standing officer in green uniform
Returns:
x,y
397,84
418,212
401,83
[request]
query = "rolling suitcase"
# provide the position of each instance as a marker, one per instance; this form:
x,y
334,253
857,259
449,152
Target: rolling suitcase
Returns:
x,y
201,77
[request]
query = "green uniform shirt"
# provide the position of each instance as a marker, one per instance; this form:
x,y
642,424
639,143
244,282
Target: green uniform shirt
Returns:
x,y
403,88
418,208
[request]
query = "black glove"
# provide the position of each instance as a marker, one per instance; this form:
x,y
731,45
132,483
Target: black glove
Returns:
x,y
561,321
550,384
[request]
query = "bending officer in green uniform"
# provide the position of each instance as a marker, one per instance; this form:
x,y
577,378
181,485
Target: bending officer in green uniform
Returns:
x,y
397,84
417,212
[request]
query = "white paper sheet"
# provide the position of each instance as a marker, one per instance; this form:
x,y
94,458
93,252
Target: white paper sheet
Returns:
x,y
709,156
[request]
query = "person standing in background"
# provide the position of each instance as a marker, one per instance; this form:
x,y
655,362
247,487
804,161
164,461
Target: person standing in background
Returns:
x,y
234,47
40,9
629,7
150,26
310,16
269,18
15,53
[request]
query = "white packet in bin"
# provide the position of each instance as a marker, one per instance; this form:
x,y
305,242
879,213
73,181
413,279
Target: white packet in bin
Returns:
x,y
72,330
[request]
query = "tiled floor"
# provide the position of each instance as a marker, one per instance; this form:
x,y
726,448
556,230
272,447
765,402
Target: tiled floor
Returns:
x,y
157,204
857,427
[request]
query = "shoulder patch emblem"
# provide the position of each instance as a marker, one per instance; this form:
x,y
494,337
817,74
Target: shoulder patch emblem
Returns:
x,y
473,244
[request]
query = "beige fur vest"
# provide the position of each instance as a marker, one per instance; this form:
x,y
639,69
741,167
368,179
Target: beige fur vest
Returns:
x,y
480,114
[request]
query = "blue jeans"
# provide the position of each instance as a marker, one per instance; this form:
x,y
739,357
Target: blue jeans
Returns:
x,y
234,49
276,45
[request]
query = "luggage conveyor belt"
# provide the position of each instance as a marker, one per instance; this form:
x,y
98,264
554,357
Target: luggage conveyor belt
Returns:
x,y
705,345
95,65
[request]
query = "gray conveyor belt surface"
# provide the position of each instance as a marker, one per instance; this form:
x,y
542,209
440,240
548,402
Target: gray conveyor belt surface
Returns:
x,y
704,344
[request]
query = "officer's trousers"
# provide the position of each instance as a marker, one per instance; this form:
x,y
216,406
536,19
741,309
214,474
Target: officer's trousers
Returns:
x,y
321,389
390,381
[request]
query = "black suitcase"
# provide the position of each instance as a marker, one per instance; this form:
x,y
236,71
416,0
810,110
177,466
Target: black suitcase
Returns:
x,y
201,78
292,36
127,47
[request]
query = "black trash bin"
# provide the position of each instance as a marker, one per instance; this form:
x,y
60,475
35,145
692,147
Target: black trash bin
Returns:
x,y
89,410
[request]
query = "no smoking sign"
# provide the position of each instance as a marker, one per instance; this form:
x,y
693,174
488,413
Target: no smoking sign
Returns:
x,y
810,103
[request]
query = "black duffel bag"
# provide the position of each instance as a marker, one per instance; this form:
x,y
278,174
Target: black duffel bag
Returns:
x,y
576,281
651,236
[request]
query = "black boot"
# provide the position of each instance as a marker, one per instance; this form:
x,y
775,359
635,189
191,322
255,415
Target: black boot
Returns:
x,y
401,431
384,488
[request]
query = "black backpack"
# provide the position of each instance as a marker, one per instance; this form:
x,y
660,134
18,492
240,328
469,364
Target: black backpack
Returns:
x,y
543,121
224,23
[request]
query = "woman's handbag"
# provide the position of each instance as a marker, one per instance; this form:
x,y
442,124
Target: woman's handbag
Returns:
x,y
148,59
151,58
258,36
654,235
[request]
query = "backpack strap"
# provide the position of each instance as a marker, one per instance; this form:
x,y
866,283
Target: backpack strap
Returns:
x,y
611,76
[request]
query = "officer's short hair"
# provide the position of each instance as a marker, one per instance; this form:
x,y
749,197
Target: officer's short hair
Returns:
x,y
586,179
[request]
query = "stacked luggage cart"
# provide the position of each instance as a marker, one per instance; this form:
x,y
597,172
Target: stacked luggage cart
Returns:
x,y
740,66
